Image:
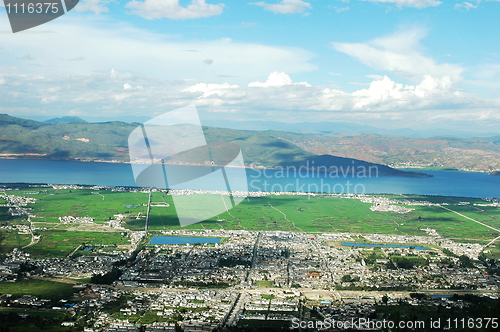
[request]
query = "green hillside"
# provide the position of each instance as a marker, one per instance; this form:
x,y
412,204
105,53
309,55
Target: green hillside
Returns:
x,y
70,140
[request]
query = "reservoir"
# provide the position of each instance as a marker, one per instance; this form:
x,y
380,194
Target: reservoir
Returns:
x,y
353,244
183,240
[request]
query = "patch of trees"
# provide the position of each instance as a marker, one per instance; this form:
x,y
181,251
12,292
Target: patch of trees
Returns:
x,y
232,262
408,263
108,278
209,284
13,320
466,262
349,278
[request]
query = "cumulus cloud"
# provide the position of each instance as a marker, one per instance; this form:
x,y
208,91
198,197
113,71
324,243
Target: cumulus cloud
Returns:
x,y
95,6
411,3
399,54
276,79
277,92
385,92
432,99
285,6
156,9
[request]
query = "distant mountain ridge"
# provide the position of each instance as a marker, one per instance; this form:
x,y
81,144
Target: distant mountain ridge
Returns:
x,y
467,154
345,128
107,141
338,127
77,140
65,119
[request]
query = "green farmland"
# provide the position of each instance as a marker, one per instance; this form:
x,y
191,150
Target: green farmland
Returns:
x,y
56,243
268,213
331,214
12,239
40,288
100,205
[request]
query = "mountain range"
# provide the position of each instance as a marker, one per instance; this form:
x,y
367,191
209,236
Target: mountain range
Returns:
x,y
71,138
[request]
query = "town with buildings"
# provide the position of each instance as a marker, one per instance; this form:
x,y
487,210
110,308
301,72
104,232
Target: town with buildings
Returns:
x,y
240,279
254,276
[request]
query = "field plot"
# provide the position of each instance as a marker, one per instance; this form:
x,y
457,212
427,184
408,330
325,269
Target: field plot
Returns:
x,y
332,214
269,213
5,215
41,288
162,217
12,239
101,205
36,321
55,243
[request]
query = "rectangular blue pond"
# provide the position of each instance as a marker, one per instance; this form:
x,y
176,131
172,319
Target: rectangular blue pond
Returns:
x,y
183,240
441,296
353,244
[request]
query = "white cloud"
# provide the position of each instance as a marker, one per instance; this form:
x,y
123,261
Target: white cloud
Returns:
x,y
285,6
484,76
117,45
488,71
127,86
96,6
465,5
152,9
375,77
431,100
385,92
248,24
399,54
276,79
411,3
211,89
343,9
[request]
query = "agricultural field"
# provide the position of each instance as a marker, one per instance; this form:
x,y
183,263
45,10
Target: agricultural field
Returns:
x,y
41,288
48,321
333,214
6,216
269,213
55,243
12,239
101,205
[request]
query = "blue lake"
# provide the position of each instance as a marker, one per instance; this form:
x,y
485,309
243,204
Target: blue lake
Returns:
x,y
369,245
446,183
182,240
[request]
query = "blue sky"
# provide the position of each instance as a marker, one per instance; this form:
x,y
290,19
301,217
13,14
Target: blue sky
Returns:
x,y
390,63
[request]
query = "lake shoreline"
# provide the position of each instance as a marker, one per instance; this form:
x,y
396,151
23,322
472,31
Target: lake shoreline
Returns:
x,y
399,168
444,183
